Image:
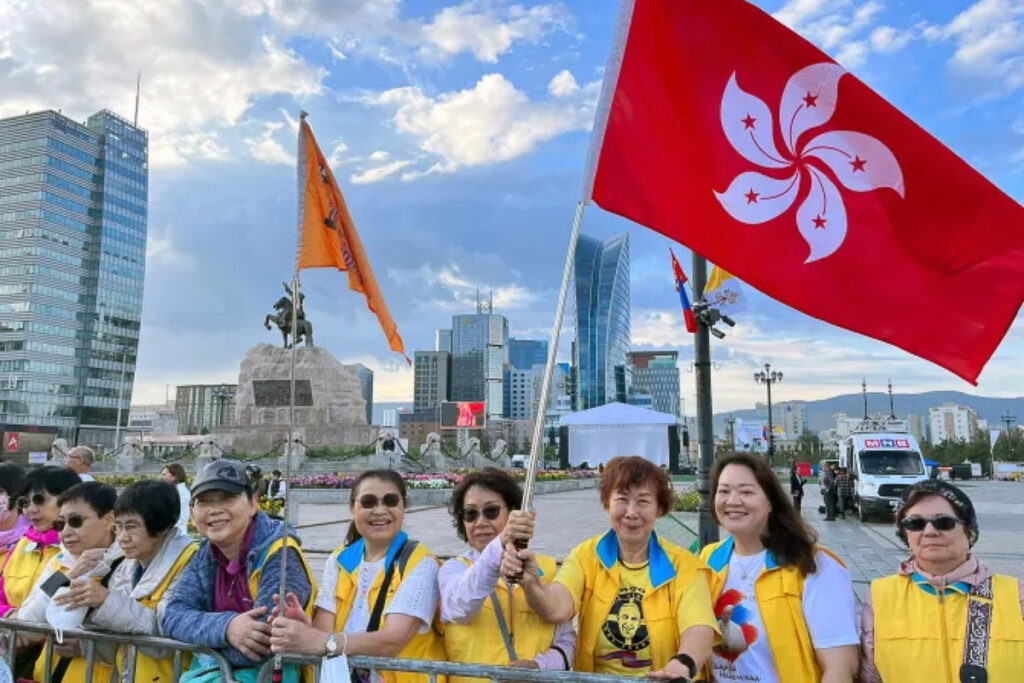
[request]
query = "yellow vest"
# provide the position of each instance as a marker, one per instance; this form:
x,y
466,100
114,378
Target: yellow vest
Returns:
x,y
919,635
672,568
779,591
427,645
23,569
147,669
480,640
76,669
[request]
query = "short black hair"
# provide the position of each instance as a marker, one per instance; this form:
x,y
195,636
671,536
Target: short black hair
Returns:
x,y
100,497
157,502
12,481
276,473
490,478
52,480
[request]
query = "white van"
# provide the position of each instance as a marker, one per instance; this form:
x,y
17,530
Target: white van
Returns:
x,y
884,464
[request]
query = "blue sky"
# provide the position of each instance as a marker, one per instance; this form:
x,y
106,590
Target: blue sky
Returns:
x,y
459,130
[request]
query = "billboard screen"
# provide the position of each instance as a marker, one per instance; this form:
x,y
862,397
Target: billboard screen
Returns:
x,y
466,414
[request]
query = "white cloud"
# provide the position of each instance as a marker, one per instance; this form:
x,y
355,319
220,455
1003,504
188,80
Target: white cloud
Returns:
x,y
161,250
563,84
379,173
488,30
379,155
267,149
446,288
886,39
852,54
989,37
489,123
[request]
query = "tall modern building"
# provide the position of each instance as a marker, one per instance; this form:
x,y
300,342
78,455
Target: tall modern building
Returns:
x,y
603,374
789,416
202,408
432,371
479,355
656,373
73,211
523,354
952,422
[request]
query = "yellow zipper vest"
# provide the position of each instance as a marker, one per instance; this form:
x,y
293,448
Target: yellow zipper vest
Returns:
x,y
147,669
76,669
427,645
779,591
672,568
23,569
480,641
919,635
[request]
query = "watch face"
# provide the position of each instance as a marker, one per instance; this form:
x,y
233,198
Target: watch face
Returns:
x,y
332,644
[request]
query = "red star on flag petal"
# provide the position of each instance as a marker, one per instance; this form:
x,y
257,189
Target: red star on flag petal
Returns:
x,y
858,164
819,222
748,122
811,100
751,196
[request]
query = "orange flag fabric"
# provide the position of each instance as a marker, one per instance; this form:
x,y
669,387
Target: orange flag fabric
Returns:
x,y
328,237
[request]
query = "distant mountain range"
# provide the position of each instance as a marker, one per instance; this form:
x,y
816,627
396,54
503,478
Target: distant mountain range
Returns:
x,y
820,413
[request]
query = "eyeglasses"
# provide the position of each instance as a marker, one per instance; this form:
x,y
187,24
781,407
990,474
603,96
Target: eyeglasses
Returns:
x,y
940,522
37,499
491,512
389,500
75,521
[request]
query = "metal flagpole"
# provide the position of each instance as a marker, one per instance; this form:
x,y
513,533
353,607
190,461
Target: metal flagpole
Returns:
x,y
707,528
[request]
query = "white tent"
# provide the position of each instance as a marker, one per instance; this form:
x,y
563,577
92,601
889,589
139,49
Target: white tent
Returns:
x,y
599,434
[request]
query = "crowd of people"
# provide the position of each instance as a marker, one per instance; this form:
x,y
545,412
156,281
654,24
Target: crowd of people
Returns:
x,y
768,604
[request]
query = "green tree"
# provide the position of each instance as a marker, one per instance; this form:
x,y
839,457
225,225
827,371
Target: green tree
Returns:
x,y
1009,451
808,447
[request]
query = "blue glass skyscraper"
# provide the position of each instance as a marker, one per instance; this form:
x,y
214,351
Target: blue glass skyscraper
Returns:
x,y
602,321
73,215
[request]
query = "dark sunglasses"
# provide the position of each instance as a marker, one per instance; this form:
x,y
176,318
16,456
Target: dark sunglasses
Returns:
x,y
940,522
491,512
370,501
75,521
38,499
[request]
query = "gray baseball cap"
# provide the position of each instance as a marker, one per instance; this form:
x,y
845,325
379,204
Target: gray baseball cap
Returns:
x,y
221,475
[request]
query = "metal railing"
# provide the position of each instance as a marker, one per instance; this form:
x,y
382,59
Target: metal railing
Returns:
x,y
90,638
432,669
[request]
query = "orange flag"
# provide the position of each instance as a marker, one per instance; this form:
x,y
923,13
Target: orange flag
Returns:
x,y
328,237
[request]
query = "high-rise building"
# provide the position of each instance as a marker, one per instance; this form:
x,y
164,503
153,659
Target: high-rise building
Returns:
x,y
656,373
366,389
603,374
523,389
523,354
73,211
479,355
443,341
431,379
202,408
789,416
918,427
156,420
952,422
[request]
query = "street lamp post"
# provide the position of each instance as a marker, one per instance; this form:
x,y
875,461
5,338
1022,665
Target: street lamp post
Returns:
x,y
768,377
1008,419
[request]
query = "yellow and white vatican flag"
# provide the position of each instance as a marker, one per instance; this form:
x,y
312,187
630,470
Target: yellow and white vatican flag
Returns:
x,y
724,292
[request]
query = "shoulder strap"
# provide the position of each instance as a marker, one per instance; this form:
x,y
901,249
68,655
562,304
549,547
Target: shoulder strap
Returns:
x,y
979,625
510,646
382,594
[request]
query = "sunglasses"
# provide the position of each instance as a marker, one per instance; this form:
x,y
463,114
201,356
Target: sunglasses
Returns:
x,y
940,522
75,521
389,500
490,512
37,499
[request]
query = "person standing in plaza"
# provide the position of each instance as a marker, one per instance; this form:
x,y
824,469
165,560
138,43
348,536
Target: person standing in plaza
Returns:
x,y
80,459
174,474
278,488
475,599
796,487
378,594
943,606
785,604
844,491
828,488
643,603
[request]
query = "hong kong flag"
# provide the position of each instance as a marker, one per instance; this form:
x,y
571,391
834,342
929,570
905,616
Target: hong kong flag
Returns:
x,y
728,132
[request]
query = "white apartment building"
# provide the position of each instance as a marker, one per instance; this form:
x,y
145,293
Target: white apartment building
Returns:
x,y
159,419
952,422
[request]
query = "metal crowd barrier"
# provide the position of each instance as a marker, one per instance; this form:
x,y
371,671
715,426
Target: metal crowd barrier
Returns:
x,y
434,669
91,638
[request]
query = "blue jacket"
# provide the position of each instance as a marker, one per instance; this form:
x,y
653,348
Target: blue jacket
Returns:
x,y
189,615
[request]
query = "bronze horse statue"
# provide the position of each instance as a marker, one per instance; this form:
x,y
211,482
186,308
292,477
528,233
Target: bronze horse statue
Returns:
x,y
282,317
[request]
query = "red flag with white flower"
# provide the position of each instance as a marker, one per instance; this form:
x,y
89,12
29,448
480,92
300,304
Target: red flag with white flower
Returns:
x,y
733,135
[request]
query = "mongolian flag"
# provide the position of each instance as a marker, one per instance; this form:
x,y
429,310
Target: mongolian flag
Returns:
x,y
680,277
328,237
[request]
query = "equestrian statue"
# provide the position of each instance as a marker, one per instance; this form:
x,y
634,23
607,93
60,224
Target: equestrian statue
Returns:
x,y
282,317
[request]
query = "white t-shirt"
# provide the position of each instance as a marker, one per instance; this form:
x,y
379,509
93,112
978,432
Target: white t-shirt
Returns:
x,y
828,606
184,511
85,476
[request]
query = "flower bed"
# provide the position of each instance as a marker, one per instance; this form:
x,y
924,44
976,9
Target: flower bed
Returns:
x,y
445,480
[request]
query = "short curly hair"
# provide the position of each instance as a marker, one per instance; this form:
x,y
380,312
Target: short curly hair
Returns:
x,y
490,478
626,471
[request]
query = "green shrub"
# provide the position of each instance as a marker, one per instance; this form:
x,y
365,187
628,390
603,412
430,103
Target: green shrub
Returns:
x,y
686,500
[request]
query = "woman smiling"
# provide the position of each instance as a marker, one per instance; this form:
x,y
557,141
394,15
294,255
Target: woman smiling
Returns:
x,y
378,594
475,600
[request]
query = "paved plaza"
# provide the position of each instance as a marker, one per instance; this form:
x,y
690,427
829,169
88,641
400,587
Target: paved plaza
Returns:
x,y
566,519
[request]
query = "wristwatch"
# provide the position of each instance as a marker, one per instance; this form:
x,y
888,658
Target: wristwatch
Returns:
x,y
331,646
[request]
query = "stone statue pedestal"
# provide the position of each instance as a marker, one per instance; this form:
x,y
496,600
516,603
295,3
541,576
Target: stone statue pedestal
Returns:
x,y
329,405
129,459
297,456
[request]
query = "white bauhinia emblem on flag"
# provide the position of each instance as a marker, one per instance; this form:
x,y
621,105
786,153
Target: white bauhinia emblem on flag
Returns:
x,y
860,162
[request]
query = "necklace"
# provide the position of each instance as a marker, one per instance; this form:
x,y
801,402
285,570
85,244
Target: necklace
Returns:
x,y
747,566
633,566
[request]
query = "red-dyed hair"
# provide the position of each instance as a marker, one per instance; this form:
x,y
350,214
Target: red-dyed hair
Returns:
x,y
627,471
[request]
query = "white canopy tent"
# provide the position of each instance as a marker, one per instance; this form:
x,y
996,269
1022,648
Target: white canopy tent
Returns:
x,y
599,434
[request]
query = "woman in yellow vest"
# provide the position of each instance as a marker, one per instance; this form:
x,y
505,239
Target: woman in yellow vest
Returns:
x,y
475,609
146,516
785,605
226,592
943,616
13,524
643,603
356,613
88,554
